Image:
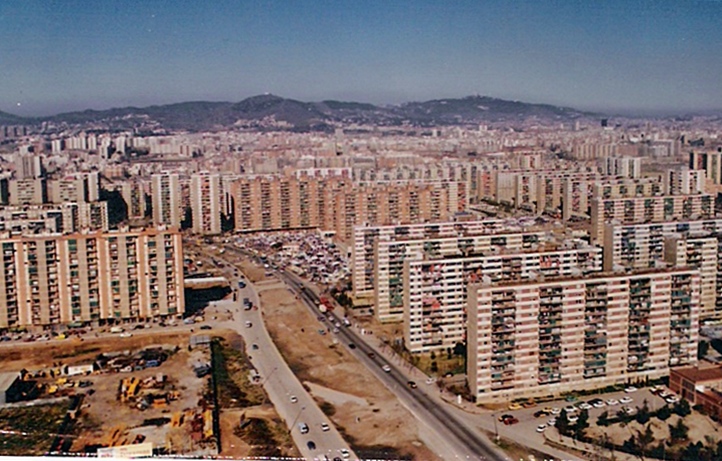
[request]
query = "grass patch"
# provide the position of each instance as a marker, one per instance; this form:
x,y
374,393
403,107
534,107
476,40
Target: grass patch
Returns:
x,y
30,430
261,437
230,367
77,352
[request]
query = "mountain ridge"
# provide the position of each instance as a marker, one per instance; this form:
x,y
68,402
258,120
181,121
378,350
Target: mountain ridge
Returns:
x,y
272,111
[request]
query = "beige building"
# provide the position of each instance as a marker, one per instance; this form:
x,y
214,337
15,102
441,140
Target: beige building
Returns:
x,y
205,194
547,337
27,192
634,210
90,278
166,200
435,295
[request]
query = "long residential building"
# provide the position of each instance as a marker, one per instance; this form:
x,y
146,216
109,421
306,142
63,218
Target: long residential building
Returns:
x,y
96,277
634,210
435,290
390,256
547,337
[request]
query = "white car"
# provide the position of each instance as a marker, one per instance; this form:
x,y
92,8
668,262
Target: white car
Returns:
x,y
630,410
294,399
430,380
541,428
625,400
386,368
612,402
672,399
570,409
552,422
556,411
630,389
126,335
325,427
345,453
585,406
572,418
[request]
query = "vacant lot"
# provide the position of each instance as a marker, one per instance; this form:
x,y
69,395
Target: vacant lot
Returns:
x,y
371,418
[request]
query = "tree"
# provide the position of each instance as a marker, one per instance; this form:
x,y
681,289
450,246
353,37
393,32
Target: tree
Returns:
x,y
581,425
460,349
562,423
603,419
434,367
643,413
664,413
630,445
681,408
645,439
679,431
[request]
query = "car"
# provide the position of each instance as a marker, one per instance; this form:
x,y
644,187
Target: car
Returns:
x,y
540,413
529,403
515,406
597,403
126,335
547,410
311,445
412,384
505,416
630,410
321,331
140,326
345,453
371,355
672,399
351,346
556,411
294,399
584,406
206,327
325,427
541,428
510,421
430,380
625,400
630,389
303,427
612,402
386,368
572,418
248,324
552,422
570,409
254,347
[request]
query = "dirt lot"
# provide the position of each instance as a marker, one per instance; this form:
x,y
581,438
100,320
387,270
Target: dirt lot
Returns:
x,y
370,417
106,420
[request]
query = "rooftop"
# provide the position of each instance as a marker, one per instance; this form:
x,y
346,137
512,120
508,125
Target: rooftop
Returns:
x,y
700,375
7,379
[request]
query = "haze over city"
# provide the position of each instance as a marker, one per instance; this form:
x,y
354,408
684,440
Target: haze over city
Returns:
x,y
615,56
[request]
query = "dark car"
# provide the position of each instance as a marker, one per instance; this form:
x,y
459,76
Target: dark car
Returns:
x,y
254,347
510,421
540,413
205,327
371,355
351,346
412,384
311,445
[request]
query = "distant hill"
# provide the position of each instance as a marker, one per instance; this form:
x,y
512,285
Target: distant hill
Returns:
x,y
271,111
10,119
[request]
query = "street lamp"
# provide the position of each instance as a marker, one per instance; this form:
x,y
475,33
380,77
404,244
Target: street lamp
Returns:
x,y
296,419
496,429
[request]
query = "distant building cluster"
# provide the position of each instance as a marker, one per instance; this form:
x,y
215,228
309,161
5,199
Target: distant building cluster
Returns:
x,y
563,257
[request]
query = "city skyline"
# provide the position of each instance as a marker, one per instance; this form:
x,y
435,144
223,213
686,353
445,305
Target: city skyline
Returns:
x,y
644,57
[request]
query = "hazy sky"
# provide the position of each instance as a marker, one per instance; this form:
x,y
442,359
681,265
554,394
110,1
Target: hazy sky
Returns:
x,y
602,54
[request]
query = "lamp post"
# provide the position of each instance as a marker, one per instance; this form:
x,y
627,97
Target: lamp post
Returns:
x,y
496,429
296,419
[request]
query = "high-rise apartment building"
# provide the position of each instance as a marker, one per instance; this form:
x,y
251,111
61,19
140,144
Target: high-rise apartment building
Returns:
x,y
434,308
683,181
28,167
205,192
166,200
133,193
547,337
628,167
27,192
634,210
90,277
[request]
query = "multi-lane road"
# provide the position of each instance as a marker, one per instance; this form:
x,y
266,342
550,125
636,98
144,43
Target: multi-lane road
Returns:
x,y
453,439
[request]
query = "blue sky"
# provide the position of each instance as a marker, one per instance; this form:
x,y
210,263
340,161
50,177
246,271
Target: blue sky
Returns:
x,y
603,55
